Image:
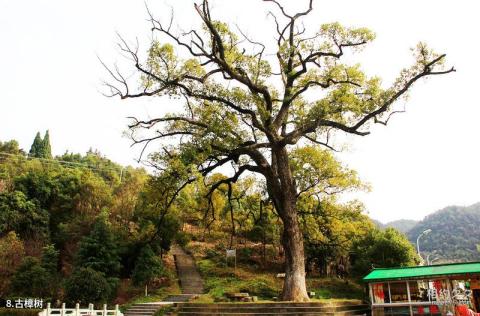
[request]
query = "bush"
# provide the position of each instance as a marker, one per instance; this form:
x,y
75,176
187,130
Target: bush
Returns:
x,y
259,287
244,253
12,251
334,288
219,245
147,267
217,287
99,250
206,267
86,285
30,279
211,254
183,239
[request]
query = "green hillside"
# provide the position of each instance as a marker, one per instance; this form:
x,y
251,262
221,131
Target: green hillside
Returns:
x,y
402,225
455,234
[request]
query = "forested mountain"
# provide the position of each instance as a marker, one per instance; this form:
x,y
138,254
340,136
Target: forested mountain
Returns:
x,y
378,224
402,225
75,221
455,234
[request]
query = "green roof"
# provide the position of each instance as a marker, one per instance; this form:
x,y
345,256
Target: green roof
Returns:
x,y
422,271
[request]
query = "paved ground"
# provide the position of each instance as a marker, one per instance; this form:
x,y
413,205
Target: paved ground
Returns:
x,y
273,309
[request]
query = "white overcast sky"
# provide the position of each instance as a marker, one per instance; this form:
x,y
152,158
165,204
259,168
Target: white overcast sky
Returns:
x,y
424,160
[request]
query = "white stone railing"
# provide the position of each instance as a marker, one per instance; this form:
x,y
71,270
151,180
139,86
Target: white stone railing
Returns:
x,y
77,311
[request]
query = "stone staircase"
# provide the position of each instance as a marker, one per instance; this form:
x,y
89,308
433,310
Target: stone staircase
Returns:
x,y
144,309
271,309
190,280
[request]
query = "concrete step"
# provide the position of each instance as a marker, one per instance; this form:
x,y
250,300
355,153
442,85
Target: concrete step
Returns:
x,y
180,298
271,309
274,304
143,309
365,313
277,309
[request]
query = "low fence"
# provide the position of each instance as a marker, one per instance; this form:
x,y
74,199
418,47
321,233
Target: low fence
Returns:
x,y
77,311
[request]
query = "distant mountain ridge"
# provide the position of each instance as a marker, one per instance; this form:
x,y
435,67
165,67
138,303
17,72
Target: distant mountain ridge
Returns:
x,y
402,225
454,237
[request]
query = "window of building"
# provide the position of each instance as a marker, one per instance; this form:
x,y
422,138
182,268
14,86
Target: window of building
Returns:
x,y
398,292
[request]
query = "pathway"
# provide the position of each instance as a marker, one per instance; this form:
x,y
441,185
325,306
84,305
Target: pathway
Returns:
x,y
190,280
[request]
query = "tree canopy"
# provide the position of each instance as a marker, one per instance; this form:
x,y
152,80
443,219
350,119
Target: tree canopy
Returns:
x,y
250,105
53,211
41,147
383,249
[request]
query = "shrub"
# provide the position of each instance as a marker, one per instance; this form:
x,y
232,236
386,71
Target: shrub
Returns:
x,y
259,287
12,251
211,254
245,255
206,267
30,279
183,238
99,250
86,285
147,267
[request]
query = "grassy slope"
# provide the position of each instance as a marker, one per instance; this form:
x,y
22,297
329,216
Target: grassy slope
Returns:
x,y
220,278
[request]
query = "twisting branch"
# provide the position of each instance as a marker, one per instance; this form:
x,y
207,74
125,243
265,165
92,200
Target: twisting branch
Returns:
x,y
280,7
234,178
294,136
218,56
325,144
427,71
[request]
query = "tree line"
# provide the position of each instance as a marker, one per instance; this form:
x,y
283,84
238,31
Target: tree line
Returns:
x,y
73,226
76,226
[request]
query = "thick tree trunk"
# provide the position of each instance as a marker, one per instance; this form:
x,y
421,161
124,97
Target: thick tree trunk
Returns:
x,y
294,287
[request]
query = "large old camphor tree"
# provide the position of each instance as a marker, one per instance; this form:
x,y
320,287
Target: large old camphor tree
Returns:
x,y
249,104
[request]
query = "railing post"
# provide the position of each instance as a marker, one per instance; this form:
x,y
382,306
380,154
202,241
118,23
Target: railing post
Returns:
x,y
104,309
77,309
90,308
116,310
48,309
63,309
